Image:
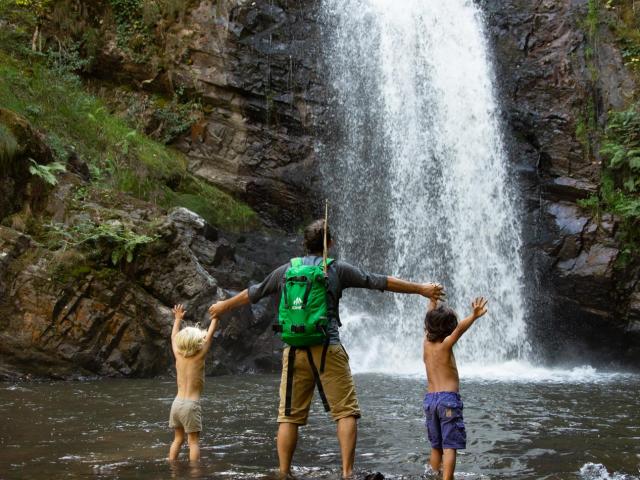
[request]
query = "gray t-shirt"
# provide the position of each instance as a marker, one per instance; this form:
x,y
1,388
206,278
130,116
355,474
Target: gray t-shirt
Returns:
x,y
341,275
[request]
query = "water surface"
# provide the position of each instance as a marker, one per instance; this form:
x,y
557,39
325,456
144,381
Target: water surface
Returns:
x,y
516,429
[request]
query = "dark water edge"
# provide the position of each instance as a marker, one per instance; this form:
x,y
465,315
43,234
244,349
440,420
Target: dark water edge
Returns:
x,y
118,429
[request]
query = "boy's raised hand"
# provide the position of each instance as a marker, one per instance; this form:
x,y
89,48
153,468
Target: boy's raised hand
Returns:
x,y
178,315
178,311
479,307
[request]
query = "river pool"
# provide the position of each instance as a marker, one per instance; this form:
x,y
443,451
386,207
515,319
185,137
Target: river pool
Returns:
x,y
578,426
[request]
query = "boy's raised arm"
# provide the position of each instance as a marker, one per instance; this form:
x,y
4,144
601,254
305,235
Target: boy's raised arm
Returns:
x,y
213,326
433,303
178,315
478,309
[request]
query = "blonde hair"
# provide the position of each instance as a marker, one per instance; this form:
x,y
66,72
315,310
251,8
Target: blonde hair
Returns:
x,y
190,341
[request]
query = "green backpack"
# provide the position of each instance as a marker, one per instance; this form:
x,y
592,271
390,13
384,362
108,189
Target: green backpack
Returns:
x,y
302,315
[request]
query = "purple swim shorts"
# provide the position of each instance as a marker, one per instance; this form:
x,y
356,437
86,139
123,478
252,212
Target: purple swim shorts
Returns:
x,y
445,427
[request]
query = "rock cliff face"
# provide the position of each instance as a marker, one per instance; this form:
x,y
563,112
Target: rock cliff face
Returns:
x,y
254,66
68,311
583,304
62,319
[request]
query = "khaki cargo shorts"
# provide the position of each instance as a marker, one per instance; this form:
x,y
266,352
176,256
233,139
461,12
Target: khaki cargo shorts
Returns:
x,y
336,382
186,414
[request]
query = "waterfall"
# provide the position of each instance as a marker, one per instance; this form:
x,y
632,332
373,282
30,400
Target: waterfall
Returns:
x,y
416,173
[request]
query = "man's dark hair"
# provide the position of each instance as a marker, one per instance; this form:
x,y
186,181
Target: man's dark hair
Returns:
x,y
314,236
439,323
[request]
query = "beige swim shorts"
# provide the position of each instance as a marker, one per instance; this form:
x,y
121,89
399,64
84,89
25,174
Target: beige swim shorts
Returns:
x,y
186,414
296,390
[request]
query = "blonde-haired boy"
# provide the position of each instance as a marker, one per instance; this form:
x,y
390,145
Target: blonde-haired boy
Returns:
x,y
190,346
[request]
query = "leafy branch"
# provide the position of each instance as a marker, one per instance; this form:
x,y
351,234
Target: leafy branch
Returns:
x,y
47,172
119,240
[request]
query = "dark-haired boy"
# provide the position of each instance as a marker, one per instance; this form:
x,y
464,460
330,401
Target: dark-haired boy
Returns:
x,y
442,403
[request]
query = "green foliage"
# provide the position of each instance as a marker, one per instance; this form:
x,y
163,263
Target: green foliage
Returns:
x,y
174,119
39,7
625,25
81,122
133,34
620,185
18,24
591,25
113,237
621,148
163,120
142,28
154,11
68,60
58,147
51,97
587,127
215,206
593,18
47,172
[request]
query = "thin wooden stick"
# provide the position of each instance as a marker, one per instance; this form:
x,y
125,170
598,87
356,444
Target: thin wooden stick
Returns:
x,y
326,220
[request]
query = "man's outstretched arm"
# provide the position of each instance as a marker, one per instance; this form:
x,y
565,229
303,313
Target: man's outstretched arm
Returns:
x,y
232,303
249,295
430,290
354,277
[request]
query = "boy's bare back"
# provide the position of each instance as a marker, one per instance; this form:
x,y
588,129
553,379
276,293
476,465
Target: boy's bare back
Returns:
x,y
190,376
440,363
442,372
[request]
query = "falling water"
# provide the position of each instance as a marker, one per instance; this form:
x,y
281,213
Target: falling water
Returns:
x,y
416,173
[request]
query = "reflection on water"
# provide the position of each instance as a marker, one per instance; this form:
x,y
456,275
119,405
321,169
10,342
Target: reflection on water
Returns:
x,y
119,428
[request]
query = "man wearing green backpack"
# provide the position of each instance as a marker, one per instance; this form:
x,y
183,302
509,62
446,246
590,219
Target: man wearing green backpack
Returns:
x,y
309,289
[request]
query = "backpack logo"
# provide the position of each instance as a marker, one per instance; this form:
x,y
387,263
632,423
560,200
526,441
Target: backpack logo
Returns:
x,y
297,303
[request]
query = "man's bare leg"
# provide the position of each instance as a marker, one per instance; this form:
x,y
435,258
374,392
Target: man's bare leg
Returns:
x,y
287,440
178,440
347,435
194,447
448,463
436,459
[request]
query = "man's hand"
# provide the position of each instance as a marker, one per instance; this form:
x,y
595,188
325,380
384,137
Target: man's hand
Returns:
x,y
216,310
178,311
479,307
434,291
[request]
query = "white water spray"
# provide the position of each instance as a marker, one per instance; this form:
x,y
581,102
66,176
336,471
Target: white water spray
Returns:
x,y
416,172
